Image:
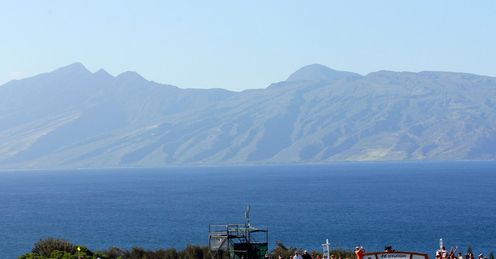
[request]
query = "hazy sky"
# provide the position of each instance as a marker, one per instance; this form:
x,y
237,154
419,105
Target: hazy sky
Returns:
x,y
245,44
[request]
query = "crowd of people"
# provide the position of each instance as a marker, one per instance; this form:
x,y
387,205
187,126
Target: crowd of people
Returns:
x,y
453,253
442,253
359,252
305,255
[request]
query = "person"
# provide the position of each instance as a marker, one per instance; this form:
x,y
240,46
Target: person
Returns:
x,y
297,255
359,252
452,252
460,256
306,255
441,253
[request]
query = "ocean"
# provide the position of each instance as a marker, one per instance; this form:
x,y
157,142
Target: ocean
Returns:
x,y
406,205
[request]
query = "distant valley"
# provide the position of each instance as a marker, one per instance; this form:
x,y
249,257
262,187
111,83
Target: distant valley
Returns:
x,y
73,118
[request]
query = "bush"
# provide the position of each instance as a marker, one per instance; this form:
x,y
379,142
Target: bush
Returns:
x,y
283,251
170,253
30,256
61,255
114,252
45,247
192,252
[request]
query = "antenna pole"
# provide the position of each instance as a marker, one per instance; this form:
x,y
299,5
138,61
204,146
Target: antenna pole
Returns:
x,y
325,248
247,216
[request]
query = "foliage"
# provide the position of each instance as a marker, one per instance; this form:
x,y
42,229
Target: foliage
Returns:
x,y
61,249
31,256
114,252
283,251
52,248
46,247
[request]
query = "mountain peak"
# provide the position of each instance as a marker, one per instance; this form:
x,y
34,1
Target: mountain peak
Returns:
x,y
102,73
76,67
130,75
317,72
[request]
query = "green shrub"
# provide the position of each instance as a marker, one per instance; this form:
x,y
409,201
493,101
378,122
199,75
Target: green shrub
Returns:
x,y
115,253
45,247
170,253
281,250
30,256
61,255
191,252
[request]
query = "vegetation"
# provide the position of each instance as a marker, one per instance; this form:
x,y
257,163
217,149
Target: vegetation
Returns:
x,y
52,248
287,252
48,246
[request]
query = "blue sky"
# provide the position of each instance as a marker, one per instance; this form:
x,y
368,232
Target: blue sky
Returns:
x,y
245,44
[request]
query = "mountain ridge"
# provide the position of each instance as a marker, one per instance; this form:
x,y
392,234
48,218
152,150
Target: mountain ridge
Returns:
x,y
72,118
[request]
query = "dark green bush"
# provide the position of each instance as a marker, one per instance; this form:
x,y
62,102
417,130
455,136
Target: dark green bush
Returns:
x,y
45,247
170,253
283,251
61,255
192,252
31,256
114,252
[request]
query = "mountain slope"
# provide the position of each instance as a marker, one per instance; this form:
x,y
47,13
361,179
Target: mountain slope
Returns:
x,y
74,118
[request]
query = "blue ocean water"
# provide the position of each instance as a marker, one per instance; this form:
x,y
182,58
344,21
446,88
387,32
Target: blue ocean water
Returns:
x,y
407,205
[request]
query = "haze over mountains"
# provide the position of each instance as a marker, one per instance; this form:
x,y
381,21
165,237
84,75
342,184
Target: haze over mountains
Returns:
x,y
72,118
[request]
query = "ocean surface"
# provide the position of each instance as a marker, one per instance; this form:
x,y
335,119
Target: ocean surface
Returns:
x,y
407,205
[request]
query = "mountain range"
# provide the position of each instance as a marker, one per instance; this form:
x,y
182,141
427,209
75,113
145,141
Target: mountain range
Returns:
x,y
73,118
